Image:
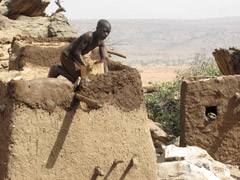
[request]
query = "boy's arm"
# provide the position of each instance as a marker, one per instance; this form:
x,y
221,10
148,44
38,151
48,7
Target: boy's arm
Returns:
x,y
104,55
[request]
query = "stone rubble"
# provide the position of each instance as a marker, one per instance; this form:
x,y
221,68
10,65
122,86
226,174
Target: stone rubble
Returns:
x,y
189,163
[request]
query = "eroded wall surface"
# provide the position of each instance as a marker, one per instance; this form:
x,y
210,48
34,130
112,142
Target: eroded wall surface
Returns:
x,y
219,136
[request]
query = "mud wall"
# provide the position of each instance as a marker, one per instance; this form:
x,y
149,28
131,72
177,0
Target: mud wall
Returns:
x,y
219,136
36,52
55,136
5,126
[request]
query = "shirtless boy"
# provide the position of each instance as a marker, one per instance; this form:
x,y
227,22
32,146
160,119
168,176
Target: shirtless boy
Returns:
x,y
72,55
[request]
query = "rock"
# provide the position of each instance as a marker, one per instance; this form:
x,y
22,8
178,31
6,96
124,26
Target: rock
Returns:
x,y
24,27
159,136
182,170
234,170
190,163
176,141
38,27
59,27
11,8
14,75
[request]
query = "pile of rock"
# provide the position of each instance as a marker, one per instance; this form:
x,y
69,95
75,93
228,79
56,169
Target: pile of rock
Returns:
x,y
186,163
190,163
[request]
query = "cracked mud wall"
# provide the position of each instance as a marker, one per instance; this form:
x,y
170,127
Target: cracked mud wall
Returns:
x,y
220,137
54,137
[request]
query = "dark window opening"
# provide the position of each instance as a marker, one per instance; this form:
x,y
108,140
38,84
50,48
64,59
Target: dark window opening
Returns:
x,y
212,109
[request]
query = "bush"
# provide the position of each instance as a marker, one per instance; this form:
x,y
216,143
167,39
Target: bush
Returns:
x,y
163,105
201,66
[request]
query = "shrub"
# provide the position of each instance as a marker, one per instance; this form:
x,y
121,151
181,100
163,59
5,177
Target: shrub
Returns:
x,y
163,105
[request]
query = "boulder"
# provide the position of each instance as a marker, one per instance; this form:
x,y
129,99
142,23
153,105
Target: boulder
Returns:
x,y
159,136
11,8
41,27
190,163
59,26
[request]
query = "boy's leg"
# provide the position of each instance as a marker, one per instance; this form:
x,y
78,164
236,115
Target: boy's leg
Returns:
x,y
70,68
57,70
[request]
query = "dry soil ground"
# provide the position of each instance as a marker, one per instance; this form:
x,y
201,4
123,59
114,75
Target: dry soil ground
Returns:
x,y
158,74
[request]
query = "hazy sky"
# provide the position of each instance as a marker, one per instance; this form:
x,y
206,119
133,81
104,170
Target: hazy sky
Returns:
x,y
148,9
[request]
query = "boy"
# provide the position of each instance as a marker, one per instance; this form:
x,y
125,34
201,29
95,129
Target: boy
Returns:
x,y
72,55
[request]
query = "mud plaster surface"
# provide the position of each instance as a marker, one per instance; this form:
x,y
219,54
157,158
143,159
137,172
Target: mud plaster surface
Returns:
x,y
67,145
122,87
221,137
44,139
45,93
5,121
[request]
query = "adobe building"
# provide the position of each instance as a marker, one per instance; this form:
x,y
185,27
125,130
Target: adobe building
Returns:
x,y
46,133
210,116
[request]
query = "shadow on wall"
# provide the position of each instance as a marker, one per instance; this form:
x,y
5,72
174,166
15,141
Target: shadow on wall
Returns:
x,y
62,134
98,172
229,121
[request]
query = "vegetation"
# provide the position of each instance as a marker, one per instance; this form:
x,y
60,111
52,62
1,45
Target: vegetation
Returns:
x,y
163,106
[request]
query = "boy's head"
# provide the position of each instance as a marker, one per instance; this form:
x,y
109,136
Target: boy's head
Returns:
x,y
103,29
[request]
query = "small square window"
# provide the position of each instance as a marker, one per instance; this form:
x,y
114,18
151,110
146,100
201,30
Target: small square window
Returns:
x,y
211,109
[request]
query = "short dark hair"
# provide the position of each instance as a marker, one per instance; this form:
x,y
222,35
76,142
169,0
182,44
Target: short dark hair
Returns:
x,y
103,23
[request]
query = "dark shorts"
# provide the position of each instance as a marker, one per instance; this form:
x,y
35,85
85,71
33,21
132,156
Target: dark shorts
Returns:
x,y
69,65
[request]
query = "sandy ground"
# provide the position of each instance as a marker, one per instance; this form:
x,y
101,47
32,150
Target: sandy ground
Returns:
x,y
158,74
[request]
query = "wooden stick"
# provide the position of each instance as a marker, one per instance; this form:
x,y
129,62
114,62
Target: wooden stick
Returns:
x,y
91,102
116,53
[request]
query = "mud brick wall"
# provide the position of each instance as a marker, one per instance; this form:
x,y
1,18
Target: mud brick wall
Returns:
x,y
47,134
220,136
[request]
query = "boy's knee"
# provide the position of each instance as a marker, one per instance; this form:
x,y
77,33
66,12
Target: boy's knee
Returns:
x,y
54,71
